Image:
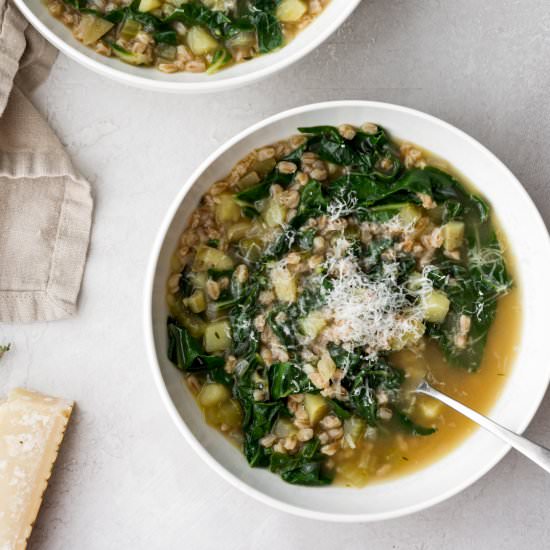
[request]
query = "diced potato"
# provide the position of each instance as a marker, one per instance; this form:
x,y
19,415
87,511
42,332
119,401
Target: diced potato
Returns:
x,y
196,302
211,258
274,213
436,306
227,210
284,284
227,412
410,214
149,5
248,180
259,230
429,408
354,428
212,394
264,166
92,28
238,230
199,279
313,324
326,366
415,332
316,407
250,249
284,427
217,336
453,235
193,323
290,11
230,413
201,41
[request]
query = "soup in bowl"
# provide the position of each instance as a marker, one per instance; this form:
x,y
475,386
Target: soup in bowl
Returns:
x,y
313,279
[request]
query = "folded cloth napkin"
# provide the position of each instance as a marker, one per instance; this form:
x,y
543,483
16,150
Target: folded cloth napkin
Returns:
x,y
45,205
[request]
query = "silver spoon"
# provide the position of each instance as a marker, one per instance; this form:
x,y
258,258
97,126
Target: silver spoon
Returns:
x,y
538,454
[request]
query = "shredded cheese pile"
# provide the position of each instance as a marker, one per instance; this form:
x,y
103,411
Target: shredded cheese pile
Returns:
x,y
375,314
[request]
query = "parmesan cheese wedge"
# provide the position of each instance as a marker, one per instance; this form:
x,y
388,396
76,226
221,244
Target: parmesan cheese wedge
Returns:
x,y
32,426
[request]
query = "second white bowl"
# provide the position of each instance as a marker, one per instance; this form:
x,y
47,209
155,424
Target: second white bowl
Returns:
x,y
312,36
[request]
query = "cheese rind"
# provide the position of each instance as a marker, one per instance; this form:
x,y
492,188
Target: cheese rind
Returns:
x,y
32,426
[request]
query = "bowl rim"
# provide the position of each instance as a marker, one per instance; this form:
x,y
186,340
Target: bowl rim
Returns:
x,y
178,86
150,342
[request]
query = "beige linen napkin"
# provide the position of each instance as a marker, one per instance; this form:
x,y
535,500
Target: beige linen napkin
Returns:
x,y
45,206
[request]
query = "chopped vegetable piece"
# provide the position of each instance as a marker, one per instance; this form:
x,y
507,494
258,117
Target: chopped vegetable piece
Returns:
x,y
290,11
453,235
92,28
316,407
436,305
149,5
217,336
201,41
213,394
211,258
227,210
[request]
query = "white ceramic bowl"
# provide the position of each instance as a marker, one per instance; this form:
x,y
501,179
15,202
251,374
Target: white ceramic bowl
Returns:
x,y
521,396
151,79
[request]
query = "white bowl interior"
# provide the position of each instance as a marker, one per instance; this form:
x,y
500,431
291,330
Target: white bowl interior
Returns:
x,y
521,396
58,34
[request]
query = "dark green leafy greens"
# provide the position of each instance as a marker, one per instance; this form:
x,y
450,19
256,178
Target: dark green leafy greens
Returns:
x,y
217,22
303,468
188,354
372,186
286,379
366,383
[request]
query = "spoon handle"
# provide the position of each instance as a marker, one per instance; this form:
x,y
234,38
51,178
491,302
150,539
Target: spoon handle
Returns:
x,y
538,454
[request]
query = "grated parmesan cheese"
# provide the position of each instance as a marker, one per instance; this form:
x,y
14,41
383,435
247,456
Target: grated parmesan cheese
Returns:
x,y
374,314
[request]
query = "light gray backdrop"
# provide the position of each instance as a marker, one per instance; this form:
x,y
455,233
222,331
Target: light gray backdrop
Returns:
x,y
126,479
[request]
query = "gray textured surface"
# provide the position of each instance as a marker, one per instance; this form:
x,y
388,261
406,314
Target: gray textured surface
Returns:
x,y
126,479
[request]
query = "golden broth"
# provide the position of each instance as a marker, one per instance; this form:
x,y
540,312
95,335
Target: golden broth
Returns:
x,y
387,450
479,390
397,453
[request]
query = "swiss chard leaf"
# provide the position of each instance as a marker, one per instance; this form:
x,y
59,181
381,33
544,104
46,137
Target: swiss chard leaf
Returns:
x,y
261,191
188,355
473,291
339,409
344,359
262,417
261,14
302,468
367,154
166,37
217,22
312,204
281,245
243,332
283,328
372,377
412,427
286,379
